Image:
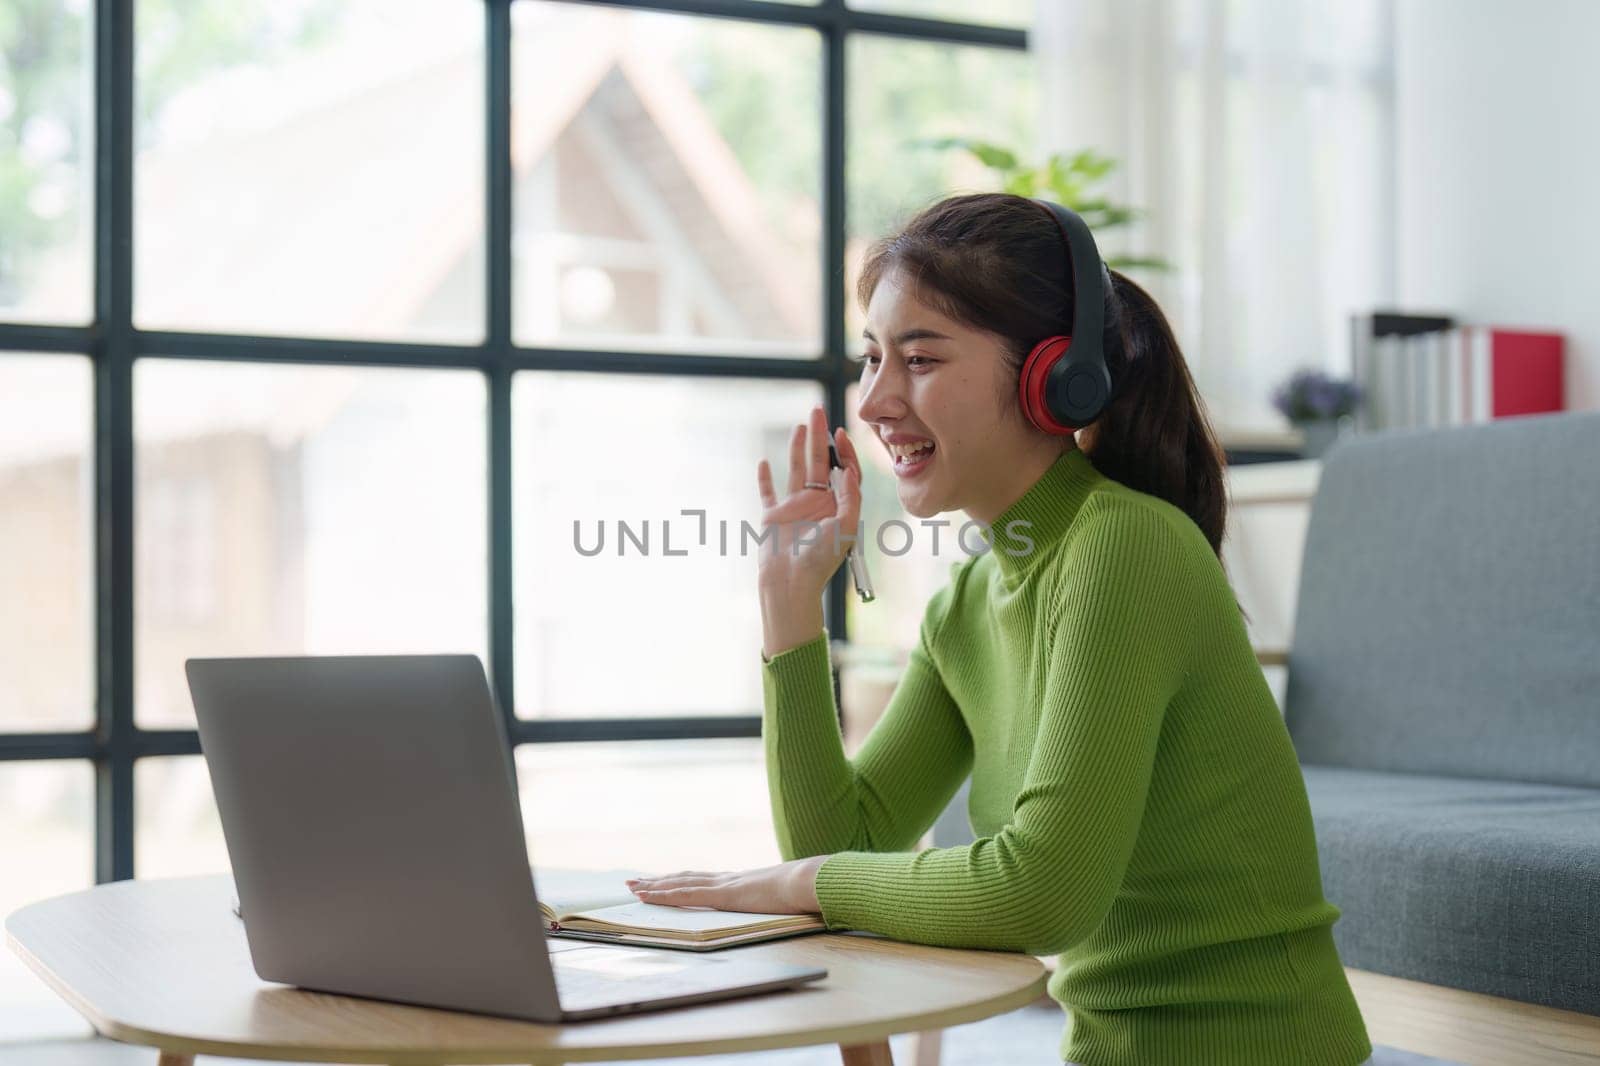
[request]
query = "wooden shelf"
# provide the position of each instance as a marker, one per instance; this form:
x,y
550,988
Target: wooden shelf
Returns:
x,y
1292,481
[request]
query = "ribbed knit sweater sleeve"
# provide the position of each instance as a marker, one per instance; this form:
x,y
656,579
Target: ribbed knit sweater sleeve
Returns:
x,y
1118,606
909,766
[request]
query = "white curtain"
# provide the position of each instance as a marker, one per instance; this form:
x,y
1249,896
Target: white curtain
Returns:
x,y
1255,134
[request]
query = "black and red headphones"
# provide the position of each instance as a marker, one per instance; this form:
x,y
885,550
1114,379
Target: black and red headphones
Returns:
x,y
1065,384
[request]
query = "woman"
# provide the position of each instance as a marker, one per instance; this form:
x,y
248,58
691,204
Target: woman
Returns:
x,y
1139,808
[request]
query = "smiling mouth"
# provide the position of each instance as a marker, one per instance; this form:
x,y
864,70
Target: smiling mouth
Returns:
x,y
914,457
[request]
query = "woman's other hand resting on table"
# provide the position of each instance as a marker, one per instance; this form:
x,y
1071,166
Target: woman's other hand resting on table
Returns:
x,y
787,888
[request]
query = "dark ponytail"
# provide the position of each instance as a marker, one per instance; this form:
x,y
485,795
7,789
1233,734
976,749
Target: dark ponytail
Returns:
x,y
1155,436
995,262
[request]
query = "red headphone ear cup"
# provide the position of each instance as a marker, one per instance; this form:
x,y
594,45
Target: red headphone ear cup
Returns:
x,y
1031,383
1035,370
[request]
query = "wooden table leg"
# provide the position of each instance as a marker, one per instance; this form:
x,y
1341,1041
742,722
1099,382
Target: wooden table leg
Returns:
x,y
926,1046
172,1058
867,1054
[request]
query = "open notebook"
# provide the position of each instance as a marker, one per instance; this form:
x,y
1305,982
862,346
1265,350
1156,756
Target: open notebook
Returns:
x,y
596,905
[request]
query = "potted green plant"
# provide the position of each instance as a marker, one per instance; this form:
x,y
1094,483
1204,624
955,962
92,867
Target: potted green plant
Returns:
x,y
1066,179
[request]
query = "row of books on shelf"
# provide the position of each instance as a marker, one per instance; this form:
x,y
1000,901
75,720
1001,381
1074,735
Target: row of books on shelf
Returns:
x,y
1422,371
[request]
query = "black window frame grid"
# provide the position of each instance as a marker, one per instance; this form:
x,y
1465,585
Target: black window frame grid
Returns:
x,y
113,344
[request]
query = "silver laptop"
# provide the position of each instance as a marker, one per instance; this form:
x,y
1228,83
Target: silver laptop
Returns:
x,y
370,810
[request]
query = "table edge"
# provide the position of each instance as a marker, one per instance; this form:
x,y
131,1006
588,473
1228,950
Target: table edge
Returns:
x,y
857,1033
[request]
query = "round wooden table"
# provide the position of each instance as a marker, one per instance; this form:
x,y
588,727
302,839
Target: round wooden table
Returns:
x,y
164,964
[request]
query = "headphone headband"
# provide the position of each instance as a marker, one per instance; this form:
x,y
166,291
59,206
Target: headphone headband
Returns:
x,y
1089,286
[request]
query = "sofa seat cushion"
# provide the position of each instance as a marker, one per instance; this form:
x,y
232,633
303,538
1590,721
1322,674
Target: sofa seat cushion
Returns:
x,y
1490,886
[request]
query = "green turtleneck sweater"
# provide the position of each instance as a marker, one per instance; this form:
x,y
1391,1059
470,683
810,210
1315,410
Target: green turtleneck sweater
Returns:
x,y
1138,806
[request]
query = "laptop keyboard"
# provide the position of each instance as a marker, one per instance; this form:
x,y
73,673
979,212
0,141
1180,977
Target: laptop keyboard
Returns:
x,y
592,971
574,985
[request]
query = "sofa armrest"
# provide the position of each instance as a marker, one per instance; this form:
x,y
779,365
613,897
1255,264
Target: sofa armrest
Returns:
x,y
1272,656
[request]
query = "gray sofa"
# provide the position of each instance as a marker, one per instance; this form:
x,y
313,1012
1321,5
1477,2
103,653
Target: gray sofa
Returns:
x,y
1443,696
1444,699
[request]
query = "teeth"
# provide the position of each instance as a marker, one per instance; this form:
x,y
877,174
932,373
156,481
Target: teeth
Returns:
x,y
903,451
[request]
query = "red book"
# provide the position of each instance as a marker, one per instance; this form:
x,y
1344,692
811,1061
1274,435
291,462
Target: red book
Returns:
x,y
1511,372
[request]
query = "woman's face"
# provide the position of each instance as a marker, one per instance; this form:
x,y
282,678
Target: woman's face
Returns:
x,y
931,381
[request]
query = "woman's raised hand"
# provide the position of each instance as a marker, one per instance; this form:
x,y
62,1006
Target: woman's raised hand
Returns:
x,y
806,534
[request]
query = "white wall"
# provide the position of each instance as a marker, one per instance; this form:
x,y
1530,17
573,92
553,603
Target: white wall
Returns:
x,y
1498,203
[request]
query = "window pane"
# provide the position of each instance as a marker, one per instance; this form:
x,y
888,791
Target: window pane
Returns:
x,y
311,168
46,156
1015,13
303,510
47,844
46,543
668,181
658,806
176,830
905,91
627,629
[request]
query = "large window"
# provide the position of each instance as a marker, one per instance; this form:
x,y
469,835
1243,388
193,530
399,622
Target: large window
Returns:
x,y
335,326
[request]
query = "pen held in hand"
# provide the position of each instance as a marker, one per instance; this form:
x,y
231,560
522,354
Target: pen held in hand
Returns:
x,y
858,564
